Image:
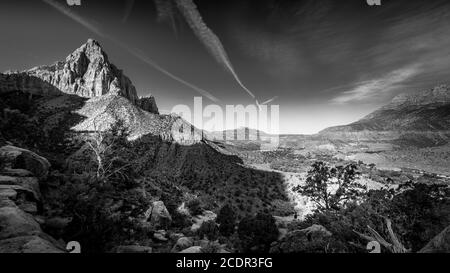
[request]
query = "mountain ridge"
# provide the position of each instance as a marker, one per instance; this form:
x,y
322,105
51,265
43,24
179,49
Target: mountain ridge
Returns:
x,y
86,72
422,111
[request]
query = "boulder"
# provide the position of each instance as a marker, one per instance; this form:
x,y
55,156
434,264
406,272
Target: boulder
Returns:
x,y
176,236
439,244
14,222
204,217
8,193
158,215
192,249
28,244
29,207
17,172
182,244
57,222
148,104
312,239
133,249
20,158
28,185
160,235
315,232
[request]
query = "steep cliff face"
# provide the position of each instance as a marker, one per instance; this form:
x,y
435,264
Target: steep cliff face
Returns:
x,y
148,104
25,83
87,72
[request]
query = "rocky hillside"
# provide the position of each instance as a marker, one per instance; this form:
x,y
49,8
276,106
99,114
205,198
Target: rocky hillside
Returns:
x,y
21,221
87,72
425,113
170,158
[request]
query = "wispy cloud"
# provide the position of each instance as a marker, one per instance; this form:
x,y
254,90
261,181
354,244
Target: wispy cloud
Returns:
x,y
370,90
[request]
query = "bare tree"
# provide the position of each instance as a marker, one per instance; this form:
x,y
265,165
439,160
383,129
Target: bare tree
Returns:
x,y
108,148
394,246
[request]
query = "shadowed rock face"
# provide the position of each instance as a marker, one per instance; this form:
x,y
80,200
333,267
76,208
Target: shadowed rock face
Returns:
x,y
86,72
148,104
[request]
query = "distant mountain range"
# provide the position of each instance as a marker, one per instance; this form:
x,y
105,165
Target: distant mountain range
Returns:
x,y
423,111
424,115
241,133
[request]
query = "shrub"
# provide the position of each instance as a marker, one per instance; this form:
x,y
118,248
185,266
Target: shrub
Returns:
x,y
195,206
209,229
418,212
211,247
226,220
180,220
282,208
257,233
104,215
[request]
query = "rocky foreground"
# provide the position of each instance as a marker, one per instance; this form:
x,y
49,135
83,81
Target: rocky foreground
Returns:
x,y
20,202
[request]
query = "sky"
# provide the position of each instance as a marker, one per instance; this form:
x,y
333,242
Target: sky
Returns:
x,y
326,62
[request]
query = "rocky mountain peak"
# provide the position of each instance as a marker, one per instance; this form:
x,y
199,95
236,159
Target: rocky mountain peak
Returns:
x,y
86,72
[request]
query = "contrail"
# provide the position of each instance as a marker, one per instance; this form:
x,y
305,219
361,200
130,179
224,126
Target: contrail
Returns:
x,y
129,4
269,101
165,12
192,16
66,11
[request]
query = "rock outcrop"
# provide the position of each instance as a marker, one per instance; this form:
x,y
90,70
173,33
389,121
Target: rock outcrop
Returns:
x,y
148,104
133,249
439,244
310,239
182,244
20,158
158,215
20,196
200,219
87,72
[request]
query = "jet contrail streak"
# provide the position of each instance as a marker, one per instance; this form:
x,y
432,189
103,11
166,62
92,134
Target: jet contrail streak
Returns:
x,y
129,4
165,12
134,52
213,44
269,101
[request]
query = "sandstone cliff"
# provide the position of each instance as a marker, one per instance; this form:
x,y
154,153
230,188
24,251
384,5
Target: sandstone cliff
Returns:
x,y
87,72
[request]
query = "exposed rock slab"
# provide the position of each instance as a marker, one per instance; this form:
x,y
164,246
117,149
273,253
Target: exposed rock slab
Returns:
x,y
20,158
158,215
28,244
14,222
439,244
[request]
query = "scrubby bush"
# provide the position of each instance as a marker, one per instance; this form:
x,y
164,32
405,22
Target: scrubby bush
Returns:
x,y
257,233
104,214
211,247
226,220
180,220
282,208
418,212
209,230
195,206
